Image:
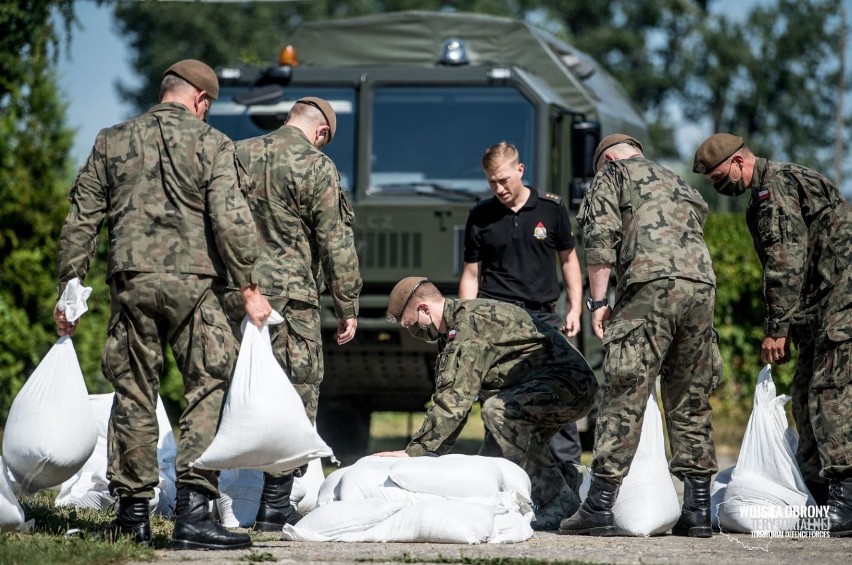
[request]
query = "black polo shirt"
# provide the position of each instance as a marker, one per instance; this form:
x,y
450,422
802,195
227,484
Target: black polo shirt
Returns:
x,y
517,251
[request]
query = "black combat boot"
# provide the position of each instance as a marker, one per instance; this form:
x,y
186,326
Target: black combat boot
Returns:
x,y
694,518
195,528
131,520
595,515
840,507
275,509
818,490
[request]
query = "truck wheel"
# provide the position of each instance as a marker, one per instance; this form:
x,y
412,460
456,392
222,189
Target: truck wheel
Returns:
x,y
345,429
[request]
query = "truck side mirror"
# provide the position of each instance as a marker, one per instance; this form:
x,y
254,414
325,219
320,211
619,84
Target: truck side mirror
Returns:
x,y
585,137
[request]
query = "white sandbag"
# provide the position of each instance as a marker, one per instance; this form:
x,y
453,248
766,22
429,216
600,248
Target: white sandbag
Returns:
x,y
717,494
452,475
239,497
766,478
74,300
368,478
436,521
510,527
514,478
306,488
89,487
11,514
50,431
342,517
329,489
647,502
264,426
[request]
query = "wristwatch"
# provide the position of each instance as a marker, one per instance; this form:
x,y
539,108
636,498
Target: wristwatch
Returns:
x,y
593,305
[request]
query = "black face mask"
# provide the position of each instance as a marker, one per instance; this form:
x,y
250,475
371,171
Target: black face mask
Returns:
x,y
428,332
729,187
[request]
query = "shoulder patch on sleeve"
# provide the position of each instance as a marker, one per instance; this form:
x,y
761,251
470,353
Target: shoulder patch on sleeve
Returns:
x,y
552,197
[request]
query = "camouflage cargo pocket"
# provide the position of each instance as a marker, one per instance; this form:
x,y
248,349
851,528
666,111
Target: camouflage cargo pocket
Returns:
x,y
718,365
835,368
115,360
625,347
217,342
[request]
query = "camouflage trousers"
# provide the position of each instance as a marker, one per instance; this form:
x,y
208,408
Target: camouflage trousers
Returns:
x,y
662,328
520,422
822,396
150,310
296,343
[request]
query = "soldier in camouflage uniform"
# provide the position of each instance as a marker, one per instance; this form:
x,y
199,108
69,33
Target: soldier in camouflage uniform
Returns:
x,y
802,231
648,223
530,379
178,226
304,225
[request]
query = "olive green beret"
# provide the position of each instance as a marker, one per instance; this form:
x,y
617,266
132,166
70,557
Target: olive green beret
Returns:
x,y
611,140
400,295
714,150
325,108
197,74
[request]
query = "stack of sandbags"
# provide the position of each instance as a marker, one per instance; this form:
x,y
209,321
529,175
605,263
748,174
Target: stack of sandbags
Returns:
x,y
89,487
766,479
449,499
647,502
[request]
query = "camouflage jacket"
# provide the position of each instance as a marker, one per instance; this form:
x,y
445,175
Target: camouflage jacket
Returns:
x,y
304,220
490,345
802,231
647,222
167,184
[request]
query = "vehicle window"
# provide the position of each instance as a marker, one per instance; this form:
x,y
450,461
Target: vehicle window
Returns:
x,y
432,138
242,122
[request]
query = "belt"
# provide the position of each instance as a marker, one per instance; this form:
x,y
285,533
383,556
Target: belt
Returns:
x,y
547,308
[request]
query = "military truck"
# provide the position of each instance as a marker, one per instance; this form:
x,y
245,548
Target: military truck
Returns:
x,y
419,96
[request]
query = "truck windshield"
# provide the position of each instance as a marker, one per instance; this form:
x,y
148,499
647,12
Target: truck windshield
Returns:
x,y
238,121
430,140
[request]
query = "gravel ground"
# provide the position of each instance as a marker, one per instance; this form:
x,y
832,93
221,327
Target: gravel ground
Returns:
x,y
546,547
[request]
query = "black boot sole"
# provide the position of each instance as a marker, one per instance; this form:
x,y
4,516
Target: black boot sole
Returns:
x,y
697,532
267,527
185,544
601,531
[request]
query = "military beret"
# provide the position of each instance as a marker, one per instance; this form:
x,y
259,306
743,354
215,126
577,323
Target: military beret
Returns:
x,y
325,108
400,296
609,141
714,150
197,74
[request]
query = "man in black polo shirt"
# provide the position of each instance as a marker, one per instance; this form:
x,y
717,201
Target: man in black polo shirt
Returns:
x,y
511,244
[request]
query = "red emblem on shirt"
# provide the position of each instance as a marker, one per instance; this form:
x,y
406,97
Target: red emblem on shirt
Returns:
x,y
540,232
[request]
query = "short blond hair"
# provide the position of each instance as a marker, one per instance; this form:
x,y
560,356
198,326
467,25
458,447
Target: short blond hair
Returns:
x,y
498,154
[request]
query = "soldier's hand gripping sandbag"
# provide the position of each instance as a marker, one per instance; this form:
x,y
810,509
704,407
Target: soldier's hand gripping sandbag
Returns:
x,y
51,430
264,426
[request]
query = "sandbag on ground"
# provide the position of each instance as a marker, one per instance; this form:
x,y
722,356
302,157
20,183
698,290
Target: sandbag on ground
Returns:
x,y
647,502
448,499
89,487
766,479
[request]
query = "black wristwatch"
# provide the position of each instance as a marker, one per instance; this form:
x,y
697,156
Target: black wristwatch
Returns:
x,y
593,305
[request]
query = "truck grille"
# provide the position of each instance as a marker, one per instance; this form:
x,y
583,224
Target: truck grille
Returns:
x,y
390,250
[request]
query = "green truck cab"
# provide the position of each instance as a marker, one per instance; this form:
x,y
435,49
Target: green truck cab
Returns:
x,y
419,96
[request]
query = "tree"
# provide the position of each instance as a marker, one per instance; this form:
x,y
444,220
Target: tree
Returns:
x,y
34,173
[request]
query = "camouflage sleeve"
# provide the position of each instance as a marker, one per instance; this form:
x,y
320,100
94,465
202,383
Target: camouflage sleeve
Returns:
x,y
333,221
459,373
600,217
780,236
233,225
89,204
